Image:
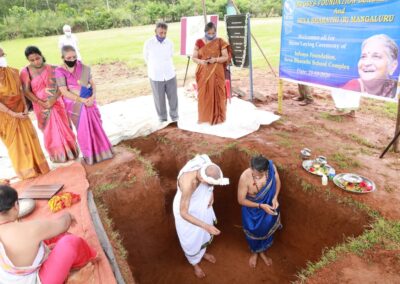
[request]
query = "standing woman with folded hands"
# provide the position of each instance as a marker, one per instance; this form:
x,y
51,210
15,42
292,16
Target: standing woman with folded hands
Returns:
x,y
16,129
39,84
76,85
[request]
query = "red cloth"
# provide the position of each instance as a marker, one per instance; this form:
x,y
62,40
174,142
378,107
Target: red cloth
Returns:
x,y
352,85
228,89
200,43
69,252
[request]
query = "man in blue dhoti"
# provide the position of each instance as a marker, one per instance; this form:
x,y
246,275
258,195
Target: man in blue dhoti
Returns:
x,y
258,192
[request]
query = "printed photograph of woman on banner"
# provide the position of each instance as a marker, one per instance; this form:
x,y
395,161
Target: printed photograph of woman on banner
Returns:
x,y
377,64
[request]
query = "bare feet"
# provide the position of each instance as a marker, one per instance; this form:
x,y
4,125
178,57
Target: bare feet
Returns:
x,y
253,260
209,257
198,271
267,260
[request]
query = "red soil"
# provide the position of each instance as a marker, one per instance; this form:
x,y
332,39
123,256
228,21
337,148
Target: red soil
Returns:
x,y
142,210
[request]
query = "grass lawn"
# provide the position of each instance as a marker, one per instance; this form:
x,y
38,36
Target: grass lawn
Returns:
x,y
125,44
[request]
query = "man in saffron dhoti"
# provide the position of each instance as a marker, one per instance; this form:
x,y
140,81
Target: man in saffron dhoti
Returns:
x,y
193,211
258,192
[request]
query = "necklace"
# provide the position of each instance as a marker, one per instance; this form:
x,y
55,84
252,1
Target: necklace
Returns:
x,y
255,183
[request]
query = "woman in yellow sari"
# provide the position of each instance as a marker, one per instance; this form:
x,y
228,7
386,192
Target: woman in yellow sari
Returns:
x,y
211,55
16,129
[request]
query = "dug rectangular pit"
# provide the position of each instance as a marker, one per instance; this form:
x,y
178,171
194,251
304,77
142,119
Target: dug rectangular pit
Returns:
x,y
142,213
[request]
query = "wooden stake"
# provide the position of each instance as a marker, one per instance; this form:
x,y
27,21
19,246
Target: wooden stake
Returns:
x,y
280,96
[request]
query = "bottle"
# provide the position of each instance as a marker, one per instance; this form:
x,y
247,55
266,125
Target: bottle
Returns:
x,y
331,173
324,180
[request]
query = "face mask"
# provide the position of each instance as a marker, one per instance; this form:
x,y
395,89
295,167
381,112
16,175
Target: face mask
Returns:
x,y
208,37
70,64
3,62
160,39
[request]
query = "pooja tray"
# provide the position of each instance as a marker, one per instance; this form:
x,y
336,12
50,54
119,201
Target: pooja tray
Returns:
x,y
319,169
364,186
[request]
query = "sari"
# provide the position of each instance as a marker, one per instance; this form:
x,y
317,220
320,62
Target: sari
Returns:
x,y
258,225
59,139
19,135
49,266
92,139
210,80
388,87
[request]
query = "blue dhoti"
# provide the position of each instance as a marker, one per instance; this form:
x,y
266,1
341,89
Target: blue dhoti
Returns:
x,y
258,225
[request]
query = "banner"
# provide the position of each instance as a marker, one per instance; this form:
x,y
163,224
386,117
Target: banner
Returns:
x,y
343,44
236,30
192,28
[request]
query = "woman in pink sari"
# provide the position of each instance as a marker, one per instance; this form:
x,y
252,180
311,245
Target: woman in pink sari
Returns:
x,y
40,87
79,93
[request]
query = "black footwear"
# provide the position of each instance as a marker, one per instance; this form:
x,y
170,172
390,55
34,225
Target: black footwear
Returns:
x,y
298,99
306,102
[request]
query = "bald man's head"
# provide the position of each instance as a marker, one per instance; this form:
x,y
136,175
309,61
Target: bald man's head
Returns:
x,y
213,171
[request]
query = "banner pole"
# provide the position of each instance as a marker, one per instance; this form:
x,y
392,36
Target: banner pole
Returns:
x,y
396,142
204,12
280,96
254,38
187,67
265,57
250,56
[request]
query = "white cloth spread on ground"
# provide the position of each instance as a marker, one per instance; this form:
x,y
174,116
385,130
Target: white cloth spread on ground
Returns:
x,y
137,117
194,239
242,118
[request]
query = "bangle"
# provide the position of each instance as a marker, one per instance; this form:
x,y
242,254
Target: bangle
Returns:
x,y
259,205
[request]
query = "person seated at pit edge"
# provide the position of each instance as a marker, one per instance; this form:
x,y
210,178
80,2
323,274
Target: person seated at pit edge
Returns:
x,y
24,255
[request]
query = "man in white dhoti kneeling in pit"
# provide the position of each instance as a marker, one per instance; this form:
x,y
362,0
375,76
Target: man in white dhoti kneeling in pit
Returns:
x,y
193,211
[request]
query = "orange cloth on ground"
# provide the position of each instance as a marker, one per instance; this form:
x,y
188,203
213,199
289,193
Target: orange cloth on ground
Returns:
x,y
210,80
19,135
63,200
74,179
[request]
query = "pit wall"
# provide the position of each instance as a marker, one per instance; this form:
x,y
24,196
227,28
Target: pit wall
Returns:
x,y
140,205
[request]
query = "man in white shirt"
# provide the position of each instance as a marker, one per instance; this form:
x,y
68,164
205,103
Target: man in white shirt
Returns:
x,y
158,52
69,39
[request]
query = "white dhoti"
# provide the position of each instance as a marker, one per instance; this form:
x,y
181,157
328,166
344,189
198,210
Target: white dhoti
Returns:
x,y
192,238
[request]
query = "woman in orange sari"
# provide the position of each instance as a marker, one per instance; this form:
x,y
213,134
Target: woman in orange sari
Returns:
x,y
16,129
211,55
